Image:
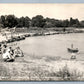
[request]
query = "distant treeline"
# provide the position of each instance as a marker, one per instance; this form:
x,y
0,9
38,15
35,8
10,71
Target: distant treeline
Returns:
x,y
37,21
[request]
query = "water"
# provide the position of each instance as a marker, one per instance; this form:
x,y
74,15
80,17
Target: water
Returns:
x,y
54,45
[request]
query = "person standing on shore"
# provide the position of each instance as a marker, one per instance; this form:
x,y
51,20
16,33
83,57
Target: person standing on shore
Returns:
x,y
0,49
73,55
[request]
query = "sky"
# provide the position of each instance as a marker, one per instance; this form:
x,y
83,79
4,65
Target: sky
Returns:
x,y
57,11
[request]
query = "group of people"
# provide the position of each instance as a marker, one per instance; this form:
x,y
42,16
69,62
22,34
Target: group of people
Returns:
x,y
9,54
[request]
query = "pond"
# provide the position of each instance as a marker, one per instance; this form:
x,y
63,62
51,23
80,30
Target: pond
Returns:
x,y
54,45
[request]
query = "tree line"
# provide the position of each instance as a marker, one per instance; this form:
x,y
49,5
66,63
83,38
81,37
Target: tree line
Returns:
x,y
37,21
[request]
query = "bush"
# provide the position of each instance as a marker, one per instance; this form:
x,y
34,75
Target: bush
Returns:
x,y
66,74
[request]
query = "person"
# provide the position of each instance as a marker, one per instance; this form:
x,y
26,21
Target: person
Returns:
x,y
18,52
7,56
4,48
73,55
11,51
0,49
72,46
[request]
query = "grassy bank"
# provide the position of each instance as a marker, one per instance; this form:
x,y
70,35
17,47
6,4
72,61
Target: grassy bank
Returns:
x,y
33,68
22,33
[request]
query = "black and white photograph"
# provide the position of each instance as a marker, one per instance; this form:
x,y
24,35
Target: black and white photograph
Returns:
x,y
41,42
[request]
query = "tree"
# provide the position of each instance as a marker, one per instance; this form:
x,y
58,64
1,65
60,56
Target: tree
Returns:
x,y
59,23
2,21
10,21
71,22
74,22
53,23
21,22
38,21
27,22
65,23
77,23
82,24
48,23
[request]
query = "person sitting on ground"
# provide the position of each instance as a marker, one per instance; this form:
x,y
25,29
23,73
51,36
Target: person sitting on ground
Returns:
x,y
11,51
18,52
7,56
4,48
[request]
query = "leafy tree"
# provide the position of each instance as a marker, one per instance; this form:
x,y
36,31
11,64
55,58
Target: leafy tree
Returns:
x,y
21,22
59,23
10,21
65,23
81,23
27,22
38,21
77,23
2,21
49,22
74,22
53,23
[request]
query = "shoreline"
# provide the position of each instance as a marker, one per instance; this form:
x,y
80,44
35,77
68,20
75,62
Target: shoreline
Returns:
x,y
21,35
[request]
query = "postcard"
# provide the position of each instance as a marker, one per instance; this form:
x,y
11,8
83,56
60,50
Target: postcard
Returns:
x,y
41,42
